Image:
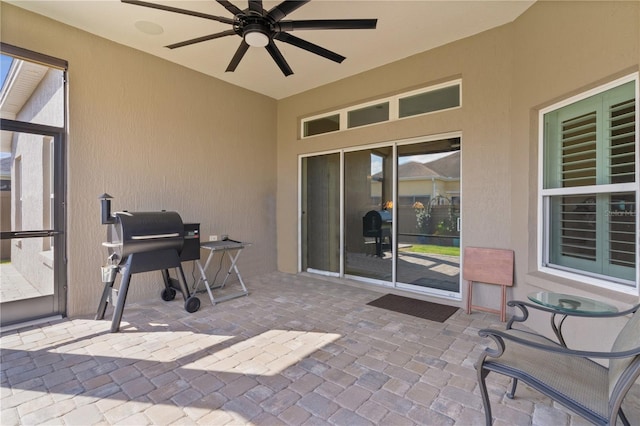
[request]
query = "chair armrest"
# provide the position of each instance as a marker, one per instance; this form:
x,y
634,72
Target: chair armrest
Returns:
x,y
522,305
500,336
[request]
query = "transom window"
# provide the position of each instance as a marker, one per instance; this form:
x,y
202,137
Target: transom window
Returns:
x,y
417,102
589,187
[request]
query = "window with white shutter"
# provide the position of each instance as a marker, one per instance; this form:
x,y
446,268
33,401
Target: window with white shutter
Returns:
x,y
589,187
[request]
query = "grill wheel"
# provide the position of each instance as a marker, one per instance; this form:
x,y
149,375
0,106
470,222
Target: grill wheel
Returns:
x,y
168,294
192,304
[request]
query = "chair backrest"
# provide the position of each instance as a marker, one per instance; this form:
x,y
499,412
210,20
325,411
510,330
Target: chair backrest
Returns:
x,y
628,338
371,223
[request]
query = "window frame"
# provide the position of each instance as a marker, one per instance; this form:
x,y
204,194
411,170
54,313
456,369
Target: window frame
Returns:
x,y
544,195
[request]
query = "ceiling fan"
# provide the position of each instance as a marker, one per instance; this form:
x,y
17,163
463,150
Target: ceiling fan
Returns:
x,y
259,28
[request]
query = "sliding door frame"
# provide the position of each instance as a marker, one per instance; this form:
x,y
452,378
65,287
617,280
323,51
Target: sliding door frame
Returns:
x,y
394,145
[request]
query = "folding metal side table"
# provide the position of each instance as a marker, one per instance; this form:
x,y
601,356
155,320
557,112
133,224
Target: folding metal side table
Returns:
x,y
232,249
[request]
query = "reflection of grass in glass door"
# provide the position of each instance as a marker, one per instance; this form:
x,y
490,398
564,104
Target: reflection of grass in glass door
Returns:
x,y
431,249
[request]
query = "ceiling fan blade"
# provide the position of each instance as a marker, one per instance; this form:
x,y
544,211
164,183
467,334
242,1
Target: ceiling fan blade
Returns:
x,y
256,6
176,10
278,58
201,39
242,49
230,7
308,46
283,9
328,24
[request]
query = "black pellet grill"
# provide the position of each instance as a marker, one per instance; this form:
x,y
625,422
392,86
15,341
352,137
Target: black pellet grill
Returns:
x,y
142,242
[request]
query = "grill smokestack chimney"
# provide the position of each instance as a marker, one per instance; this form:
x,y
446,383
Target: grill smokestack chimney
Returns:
x,y
105,204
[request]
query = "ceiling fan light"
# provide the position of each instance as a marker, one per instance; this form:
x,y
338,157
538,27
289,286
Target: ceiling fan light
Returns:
x,y
256,37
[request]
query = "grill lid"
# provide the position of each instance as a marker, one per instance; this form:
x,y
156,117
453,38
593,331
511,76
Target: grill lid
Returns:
x,y
135,232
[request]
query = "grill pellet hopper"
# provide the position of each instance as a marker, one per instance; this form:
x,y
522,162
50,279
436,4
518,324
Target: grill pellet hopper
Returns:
x,y
142,242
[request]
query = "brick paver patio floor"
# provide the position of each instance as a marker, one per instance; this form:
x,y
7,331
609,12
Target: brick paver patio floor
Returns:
x,y
298,350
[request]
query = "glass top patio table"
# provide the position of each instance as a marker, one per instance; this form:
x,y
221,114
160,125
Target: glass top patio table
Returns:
x,y
570,303
566,304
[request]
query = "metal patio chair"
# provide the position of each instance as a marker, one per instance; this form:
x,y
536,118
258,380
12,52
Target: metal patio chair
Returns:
x,y
565,375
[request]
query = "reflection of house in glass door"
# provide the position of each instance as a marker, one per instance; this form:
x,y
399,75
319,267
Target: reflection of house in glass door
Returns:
x,y
400,218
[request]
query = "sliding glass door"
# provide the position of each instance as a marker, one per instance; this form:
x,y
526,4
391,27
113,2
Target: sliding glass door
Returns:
x,y
320,212
368,199
399,221
428,216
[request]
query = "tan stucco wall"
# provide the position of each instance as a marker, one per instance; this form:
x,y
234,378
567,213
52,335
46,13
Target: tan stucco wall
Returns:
x,y
553,50
155,136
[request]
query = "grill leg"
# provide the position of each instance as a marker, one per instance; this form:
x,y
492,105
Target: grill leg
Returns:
x,y
122,297
182,282
166,278
191,302
102,306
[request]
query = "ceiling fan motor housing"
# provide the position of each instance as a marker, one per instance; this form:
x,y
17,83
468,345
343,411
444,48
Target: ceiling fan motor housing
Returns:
x,y
255,30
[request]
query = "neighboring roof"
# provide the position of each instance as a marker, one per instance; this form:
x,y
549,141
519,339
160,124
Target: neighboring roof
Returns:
x,y
413,169
448,166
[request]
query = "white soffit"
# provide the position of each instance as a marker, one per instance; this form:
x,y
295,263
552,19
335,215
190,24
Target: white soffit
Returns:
x,y
22,79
